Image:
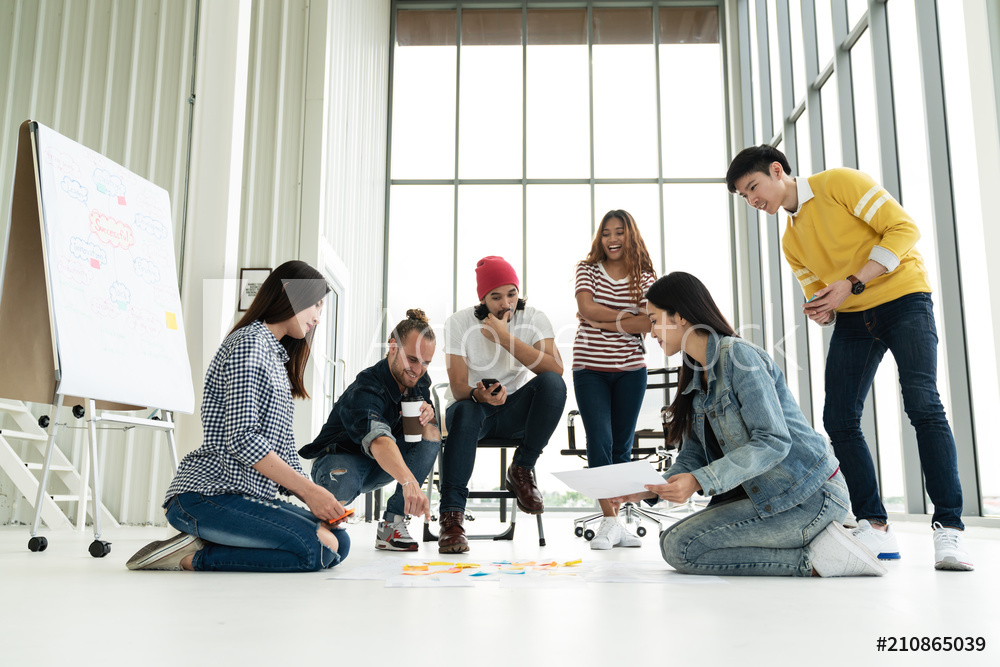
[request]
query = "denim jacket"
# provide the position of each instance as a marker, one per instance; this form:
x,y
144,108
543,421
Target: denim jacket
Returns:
x,y
367,410
769,446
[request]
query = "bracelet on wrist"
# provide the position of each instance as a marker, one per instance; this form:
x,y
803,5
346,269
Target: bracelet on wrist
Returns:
x,y
412,481
472,395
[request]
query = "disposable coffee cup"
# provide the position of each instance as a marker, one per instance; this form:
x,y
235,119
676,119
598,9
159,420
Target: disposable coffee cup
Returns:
x,y
413,431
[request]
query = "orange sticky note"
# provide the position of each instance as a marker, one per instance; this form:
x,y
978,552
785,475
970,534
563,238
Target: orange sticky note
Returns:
x,y
171,320
414,568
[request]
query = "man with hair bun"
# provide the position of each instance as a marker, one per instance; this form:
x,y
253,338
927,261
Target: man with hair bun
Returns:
x,y
361,447
510,347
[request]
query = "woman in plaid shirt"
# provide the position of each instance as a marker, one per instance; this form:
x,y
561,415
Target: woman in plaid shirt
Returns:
x,y
223,498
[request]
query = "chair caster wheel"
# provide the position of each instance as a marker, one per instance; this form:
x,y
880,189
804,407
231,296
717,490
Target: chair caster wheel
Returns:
x,y
99,549
640,531
38,544
579,531
589,534
541,542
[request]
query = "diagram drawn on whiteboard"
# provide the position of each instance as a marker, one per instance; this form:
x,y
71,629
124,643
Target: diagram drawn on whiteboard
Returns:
x,y
113,279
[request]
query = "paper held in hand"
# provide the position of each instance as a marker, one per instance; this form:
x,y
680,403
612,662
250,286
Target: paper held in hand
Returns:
x,y
620,479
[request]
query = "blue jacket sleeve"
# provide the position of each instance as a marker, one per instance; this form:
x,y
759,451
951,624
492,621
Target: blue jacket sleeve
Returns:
x,y
760,412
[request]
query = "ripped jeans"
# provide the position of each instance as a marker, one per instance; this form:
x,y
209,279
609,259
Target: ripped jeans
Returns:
x,y
347,475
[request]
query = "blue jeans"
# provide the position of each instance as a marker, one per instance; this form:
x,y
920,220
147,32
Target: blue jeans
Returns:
x,y
609,407
905,327
529,415
732,539
347,476
246,534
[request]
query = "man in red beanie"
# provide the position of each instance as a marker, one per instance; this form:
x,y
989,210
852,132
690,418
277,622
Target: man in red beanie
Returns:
x,y
506,342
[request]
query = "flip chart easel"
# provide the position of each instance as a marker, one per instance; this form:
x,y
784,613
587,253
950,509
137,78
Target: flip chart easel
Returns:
x,y
89,305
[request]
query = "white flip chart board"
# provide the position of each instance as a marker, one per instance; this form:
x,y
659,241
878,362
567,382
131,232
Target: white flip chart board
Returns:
x,y
106,257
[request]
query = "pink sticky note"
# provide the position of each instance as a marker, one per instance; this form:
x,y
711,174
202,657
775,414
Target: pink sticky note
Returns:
x,y
121,200
95,263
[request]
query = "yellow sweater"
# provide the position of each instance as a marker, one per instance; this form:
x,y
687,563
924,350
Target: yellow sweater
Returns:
x,y
833,235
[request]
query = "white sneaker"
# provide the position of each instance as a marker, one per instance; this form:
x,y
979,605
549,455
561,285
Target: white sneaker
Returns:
x,y
165,554
850,521
609,533
837,553
393,535
882,543
627,538
948,551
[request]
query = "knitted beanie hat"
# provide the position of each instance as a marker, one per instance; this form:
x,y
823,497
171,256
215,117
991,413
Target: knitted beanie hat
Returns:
x,y
492,272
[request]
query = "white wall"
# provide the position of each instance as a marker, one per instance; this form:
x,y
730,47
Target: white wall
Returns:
x,y
115,75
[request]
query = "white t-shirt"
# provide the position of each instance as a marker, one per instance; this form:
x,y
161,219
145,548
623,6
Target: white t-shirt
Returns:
x,y
486,359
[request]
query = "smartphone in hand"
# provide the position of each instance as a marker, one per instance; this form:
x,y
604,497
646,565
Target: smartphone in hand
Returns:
x,y
492,382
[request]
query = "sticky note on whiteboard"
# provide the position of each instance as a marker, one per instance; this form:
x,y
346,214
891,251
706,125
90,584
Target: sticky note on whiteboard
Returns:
x,y
171,320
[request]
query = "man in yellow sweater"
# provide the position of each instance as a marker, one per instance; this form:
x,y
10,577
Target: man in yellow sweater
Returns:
x,y
852,248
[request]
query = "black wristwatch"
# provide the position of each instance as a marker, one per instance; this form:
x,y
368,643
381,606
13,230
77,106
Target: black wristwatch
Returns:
x,y
857,287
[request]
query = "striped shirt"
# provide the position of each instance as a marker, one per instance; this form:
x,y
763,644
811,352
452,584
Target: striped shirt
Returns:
x,y
246,412
611,351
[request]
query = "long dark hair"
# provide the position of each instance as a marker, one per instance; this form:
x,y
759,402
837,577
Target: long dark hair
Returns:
x,y
636,256
680,293
290,289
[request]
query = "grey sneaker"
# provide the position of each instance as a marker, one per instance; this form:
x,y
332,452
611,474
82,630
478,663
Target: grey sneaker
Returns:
x,y
165,554
393,535
837,553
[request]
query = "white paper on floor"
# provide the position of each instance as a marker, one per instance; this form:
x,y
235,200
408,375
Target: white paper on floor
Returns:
x,y
389,569
441,581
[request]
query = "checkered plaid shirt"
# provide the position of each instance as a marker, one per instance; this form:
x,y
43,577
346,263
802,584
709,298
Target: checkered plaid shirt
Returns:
x,y
246,412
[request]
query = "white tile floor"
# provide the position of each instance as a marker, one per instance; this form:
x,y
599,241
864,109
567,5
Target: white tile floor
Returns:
x,y
62,607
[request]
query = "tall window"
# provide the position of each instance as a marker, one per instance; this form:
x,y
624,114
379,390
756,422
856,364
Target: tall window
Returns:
x,y
515,129
849,83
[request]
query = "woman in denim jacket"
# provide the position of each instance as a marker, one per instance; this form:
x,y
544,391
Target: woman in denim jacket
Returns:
x,y
778,497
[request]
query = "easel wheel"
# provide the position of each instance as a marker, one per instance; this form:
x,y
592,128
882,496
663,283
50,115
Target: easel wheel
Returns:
x,y
99,548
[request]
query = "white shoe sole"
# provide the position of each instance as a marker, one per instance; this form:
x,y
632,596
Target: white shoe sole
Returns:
x,y
154,551
952,563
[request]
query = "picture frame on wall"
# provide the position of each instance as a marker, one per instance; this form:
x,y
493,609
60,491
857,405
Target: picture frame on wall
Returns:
x,y
250,282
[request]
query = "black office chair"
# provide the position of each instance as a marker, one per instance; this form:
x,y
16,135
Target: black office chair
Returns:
x,y
501,494
661,455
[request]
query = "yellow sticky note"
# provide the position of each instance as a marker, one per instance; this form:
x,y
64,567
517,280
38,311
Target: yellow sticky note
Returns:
x,y
572,562
439,562
414,568
463,566
171,320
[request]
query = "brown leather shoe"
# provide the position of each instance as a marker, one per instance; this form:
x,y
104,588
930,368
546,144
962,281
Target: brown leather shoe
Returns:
x,y
452,539
521,482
